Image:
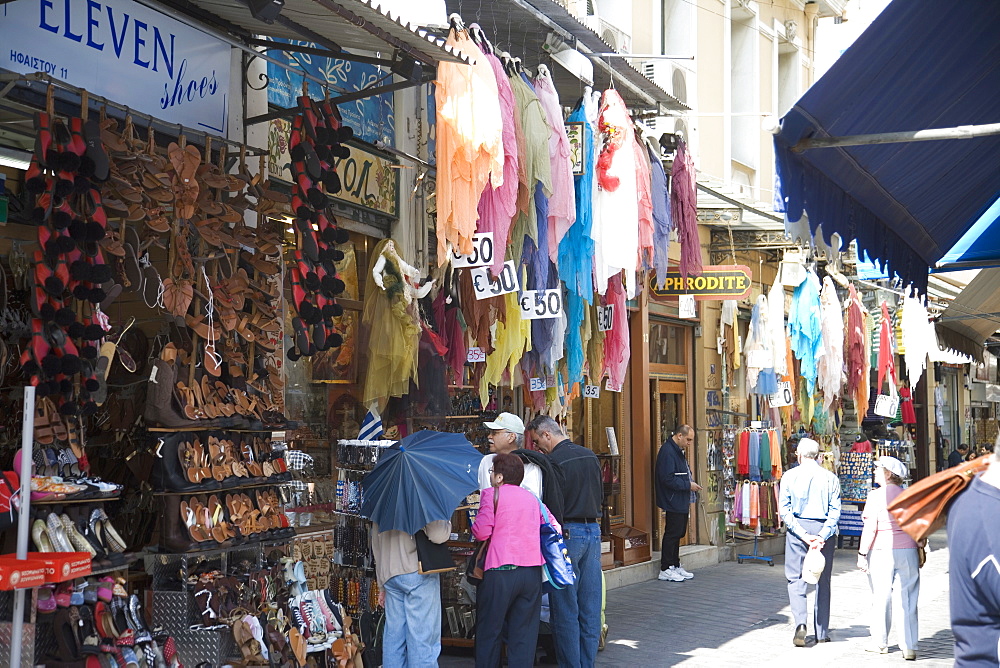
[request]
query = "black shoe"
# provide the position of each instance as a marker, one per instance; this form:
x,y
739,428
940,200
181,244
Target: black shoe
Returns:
x,y
799,640
826,639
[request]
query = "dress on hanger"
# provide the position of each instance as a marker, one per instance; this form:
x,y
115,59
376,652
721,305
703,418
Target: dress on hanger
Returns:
x,y
684,210
393,328
498,204
616,339
616,202
562,204
470,148
906,405
662,222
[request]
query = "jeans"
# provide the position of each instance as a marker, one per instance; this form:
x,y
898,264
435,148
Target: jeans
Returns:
x,y
576,610
412,635
795,554
674,528
884,567
507,611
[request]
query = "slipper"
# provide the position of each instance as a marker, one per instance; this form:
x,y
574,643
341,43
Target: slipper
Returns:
x,y
95,150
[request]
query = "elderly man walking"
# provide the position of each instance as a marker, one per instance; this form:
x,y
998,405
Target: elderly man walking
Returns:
x,y
809,503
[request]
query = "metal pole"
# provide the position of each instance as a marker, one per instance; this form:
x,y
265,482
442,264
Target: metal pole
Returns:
x,y
23,520
960,132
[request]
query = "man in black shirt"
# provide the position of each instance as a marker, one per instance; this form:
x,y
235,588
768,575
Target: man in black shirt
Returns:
x,y
576,610
956,457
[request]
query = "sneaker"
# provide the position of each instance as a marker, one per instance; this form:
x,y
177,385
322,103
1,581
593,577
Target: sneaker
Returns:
x,y
687,575
671,574
910,654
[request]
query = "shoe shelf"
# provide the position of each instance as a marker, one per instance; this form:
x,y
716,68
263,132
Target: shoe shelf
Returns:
x,y
223,490
76,500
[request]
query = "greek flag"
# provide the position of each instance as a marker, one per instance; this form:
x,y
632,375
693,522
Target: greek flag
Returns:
x,y
371,426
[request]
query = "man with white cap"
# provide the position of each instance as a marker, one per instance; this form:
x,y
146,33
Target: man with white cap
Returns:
x,y
507,435
885,551
809,503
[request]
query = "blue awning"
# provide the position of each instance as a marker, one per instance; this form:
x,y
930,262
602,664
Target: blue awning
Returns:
x,y
922,64
979,247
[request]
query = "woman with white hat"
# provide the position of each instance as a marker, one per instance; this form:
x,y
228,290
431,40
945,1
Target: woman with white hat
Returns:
x,y
886,553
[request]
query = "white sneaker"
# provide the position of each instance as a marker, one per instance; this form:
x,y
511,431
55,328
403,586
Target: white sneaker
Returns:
x,y
671,574
686,574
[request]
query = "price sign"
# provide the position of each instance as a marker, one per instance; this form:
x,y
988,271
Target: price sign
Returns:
x,y
550,381
783,397
536,384
475,355
591,391
485,287
611,387
605,317
686,307
539,304
481,255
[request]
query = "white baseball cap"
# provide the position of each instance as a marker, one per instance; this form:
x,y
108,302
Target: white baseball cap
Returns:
x,y
507,421
892,465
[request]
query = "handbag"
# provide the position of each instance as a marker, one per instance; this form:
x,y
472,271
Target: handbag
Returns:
x,y
922,508
475,567
558,567
432,557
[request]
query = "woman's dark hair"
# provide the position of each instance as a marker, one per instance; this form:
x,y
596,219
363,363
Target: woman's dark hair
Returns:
x,y
510,467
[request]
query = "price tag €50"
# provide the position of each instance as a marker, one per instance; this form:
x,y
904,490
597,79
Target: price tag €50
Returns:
x,y
485,287
481,255
539,304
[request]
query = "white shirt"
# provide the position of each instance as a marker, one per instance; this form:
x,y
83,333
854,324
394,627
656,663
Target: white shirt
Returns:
x,y
532,475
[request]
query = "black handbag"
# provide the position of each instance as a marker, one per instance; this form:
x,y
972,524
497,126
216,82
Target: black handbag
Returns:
x,y
432,557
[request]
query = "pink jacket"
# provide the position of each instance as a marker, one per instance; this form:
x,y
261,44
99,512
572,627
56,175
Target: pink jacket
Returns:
x,y
514,529
881,531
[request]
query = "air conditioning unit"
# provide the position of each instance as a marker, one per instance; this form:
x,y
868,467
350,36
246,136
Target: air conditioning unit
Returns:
x,y
616,38
668,76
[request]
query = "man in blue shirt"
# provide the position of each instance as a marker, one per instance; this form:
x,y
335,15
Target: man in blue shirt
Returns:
x,y
809,503
974,569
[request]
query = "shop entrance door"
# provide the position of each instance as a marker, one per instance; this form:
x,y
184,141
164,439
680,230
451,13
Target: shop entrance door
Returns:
x,y
669,412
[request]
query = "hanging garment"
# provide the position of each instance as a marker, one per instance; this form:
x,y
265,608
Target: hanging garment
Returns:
x,y
576,250
393,330
510,340
575,311
616,339
906,406
776,455
855,352
918,337
804,323
765,455
776,326
662,224
747,506
754,455
498,205
754,505
684,210
533,159
743,454
470,149
886,357
562,204
594,340
830,368
760,378
644,185
727,326
616,202
448,318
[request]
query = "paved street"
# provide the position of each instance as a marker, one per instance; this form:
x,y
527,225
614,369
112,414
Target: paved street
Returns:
x,y
738,615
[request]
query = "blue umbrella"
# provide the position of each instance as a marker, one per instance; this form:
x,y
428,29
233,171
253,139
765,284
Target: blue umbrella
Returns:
x,y
422,478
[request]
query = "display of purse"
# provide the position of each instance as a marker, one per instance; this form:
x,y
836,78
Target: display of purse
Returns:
x,y
475,567
558,567
922,508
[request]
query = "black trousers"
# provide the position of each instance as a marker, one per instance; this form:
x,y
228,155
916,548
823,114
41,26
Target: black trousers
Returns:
x,y
513,598
673,530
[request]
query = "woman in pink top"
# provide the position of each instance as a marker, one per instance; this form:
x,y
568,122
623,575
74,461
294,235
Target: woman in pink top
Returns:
x,y
886,552
511,590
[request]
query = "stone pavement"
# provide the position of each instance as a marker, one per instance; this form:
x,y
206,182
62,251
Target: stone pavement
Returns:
x,y
738,615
